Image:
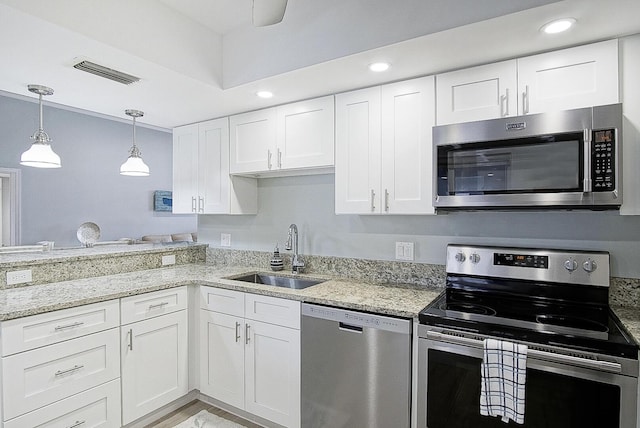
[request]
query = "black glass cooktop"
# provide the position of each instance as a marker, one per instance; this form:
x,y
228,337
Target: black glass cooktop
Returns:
x,y
553,314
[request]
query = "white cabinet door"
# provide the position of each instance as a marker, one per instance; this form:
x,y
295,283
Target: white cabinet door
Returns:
x,y
408,114
154,364
272,377
358,152
222,357
185,169
213,167
305,134
253,141
477,93
583,76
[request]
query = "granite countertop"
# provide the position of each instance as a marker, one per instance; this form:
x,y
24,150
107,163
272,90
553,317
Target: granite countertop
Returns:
x,y
8,260
398,300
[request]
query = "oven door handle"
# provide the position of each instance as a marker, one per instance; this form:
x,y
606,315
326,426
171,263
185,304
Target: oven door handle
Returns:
x,y
600,365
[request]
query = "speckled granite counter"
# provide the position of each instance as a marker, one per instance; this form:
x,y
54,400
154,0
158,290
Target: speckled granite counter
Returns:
x,y
399,300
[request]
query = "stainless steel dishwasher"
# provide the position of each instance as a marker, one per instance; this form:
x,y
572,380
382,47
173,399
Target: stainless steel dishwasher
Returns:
x,y
356,369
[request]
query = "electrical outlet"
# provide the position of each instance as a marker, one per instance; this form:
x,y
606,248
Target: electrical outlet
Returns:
x,y
19,277
225,239
404,251
169,260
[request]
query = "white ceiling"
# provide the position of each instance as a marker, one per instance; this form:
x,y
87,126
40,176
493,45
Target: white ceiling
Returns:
x,y
202,59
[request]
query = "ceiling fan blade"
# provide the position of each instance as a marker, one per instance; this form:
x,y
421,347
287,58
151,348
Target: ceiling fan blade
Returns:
x,y
268,12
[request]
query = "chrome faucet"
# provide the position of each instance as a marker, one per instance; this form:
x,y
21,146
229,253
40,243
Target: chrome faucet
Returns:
x,y
297,265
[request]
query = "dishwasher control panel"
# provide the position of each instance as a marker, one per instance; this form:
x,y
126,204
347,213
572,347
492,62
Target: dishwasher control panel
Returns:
x,y
357,319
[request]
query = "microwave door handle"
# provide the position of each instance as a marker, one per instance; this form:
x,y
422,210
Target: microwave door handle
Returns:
x,y
587,185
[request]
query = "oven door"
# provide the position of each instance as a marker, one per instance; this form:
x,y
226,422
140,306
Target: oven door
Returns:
x,y
557,395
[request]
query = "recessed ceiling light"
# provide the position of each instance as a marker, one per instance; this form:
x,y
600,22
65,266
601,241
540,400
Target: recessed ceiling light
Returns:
x,y
558,26
379,66
264,94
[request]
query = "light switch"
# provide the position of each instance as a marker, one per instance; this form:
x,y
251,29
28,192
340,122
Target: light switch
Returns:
x,y
225,239
404,251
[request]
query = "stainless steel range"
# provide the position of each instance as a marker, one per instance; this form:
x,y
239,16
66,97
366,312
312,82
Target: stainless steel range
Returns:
x,y
582,365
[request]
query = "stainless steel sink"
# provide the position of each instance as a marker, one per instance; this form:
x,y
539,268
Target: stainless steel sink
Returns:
x,y
278,281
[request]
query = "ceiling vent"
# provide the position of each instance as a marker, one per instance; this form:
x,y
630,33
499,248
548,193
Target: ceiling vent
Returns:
x,y
106,72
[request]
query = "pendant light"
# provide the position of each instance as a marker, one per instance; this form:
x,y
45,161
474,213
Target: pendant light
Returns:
x,y
134,166
40,155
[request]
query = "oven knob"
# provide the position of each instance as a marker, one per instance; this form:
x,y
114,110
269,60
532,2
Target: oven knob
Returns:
x,y
474,258
570,265
589,266
460,257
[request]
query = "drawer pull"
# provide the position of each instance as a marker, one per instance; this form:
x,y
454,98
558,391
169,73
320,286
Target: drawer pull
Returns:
x,y
69,371
158,305
77,424
65,327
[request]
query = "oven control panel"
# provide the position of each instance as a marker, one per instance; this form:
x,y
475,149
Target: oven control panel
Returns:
x,y
566,266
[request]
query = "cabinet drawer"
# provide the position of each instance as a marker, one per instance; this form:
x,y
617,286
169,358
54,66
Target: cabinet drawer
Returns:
x,y
32,332
41,376
97,408
228,302
273,310
149,305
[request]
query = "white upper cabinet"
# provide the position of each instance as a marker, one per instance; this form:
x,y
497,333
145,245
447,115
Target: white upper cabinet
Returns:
x,y
477,93
358,152
253,141
383,149
276,141
201,181
408,114
583,76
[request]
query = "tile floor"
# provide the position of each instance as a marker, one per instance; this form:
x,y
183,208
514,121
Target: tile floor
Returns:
x,y
188,410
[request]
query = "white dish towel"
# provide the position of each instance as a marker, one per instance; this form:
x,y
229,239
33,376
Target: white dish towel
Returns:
x,y
504,370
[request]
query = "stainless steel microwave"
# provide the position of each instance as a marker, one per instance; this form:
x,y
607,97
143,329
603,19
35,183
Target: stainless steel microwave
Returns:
x,y
565,160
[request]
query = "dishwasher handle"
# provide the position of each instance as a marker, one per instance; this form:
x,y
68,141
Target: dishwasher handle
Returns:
x,y
350,328
349,319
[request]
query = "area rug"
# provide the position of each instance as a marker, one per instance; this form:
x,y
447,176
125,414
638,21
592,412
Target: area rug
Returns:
x,y
205,419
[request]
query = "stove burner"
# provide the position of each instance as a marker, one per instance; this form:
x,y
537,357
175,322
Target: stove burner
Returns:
x,y
468,308
571,322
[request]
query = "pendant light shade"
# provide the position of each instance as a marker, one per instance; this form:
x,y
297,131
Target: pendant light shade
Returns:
x,y
134,166
40,155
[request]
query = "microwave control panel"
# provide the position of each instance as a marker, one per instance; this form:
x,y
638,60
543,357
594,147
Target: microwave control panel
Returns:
x,y
603,160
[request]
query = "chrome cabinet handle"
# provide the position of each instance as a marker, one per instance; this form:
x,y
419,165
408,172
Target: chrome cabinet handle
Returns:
x,y
237,332
193,204
130,334
247,327
268,159
200,204
373,205
386,200
68,371
158,305
607,366
77,424
65,327
525,100
279,159
504,103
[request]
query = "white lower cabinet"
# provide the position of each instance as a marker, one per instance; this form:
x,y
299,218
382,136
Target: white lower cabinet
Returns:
x,y
154,353
252,365
98,407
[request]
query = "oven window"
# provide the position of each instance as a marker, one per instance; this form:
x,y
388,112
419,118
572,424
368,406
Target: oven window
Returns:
x,y
531,165
552,400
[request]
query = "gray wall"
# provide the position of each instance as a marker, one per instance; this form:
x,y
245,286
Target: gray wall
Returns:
x,y
88,187
309,202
